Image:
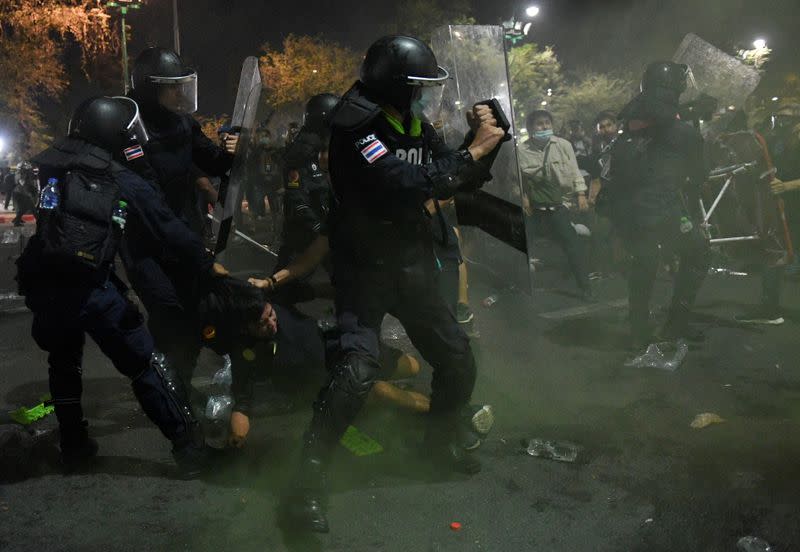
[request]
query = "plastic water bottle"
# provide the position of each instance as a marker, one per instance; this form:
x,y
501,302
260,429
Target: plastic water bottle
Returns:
x,y
50,197
120,214
219,406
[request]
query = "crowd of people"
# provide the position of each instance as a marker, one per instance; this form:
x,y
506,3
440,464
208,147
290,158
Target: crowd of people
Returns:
x,y
365,188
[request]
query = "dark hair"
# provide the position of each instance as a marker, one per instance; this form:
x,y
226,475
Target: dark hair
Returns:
x,y
232,304
537,114
605,116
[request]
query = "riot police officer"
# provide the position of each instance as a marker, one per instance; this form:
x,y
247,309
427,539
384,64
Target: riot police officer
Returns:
x,y
307,193
656,169
166,91
67,275
385,162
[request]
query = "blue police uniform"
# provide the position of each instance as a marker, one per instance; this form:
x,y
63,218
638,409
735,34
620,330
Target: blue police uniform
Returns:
x,y
383,261
162,281
67,306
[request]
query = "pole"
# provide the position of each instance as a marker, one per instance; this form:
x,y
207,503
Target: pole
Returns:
x,y
125,78
176,30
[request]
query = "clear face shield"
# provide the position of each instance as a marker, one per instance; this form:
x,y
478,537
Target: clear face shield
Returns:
x,y
177,94
135,129
426,101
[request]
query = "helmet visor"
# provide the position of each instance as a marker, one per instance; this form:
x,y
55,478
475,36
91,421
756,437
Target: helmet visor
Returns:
x,y
441,76
426,103
177,94
135,128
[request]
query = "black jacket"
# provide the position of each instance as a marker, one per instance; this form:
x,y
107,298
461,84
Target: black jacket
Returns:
x,y
381,174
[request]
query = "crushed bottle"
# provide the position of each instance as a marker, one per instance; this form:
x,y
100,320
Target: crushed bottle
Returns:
x,y
663,356
753,544
721,271
219,405
560,451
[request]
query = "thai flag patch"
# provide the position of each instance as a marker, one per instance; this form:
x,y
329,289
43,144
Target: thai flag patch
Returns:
x,y
374,151
133,152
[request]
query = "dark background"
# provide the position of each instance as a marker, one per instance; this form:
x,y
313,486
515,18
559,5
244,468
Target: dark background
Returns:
x,y
603,35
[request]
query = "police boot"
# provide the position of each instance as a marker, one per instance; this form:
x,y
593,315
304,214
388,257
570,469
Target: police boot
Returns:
x,y
192,456
163,399
304,506
76,445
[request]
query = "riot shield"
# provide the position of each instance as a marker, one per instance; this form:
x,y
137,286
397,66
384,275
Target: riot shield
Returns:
x,y
716,73
476,59
243,120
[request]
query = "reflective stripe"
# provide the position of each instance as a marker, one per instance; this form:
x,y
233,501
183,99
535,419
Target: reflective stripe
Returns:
x,y
415,129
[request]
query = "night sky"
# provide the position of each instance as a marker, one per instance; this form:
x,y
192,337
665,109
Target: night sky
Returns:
x,y
601,34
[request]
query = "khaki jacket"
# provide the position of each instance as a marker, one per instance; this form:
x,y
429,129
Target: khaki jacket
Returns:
x,y
561,171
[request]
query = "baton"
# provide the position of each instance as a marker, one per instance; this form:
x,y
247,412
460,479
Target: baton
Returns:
x,y
247,238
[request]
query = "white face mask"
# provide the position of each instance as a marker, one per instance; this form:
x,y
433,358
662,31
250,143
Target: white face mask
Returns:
x,y
426,102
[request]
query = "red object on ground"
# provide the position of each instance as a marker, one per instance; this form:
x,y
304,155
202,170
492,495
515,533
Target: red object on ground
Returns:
x,y
6,218
455,526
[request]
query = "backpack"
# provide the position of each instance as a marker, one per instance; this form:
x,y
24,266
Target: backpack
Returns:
x,y
78,235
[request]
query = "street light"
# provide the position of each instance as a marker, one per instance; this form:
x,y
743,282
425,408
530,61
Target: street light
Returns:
x,y
515,30
123,6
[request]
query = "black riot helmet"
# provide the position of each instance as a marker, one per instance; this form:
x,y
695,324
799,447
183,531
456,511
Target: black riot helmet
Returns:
x,y
402,71
665,75
159,76
318,112
110,123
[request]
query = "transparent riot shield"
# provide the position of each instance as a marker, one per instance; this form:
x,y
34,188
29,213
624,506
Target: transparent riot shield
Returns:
x,y
720,75
476,59
245,114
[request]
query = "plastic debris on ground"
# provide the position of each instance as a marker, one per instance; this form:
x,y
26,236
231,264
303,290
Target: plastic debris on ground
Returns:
x,y
219,406
726,272
705,419
360,444
392,328
490,300
27,416
662,356
561,451
753,544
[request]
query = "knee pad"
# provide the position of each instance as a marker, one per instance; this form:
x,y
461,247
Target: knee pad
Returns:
x,y
164,400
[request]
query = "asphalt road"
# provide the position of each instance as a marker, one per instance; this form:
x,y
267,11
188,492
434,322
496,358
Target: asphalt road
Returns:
x,y
550,366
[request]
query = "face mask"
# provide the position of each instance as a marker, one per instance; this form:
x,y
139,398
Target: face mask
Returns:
x,y
543,134
426,103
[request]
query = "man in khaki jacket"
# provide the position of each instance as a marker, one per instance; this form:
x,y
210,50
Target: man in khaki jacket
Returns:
x,y
551,182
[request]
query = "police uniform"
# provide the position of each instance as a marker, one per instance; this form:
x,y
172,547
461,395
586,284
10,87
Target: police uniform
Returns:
x,y
78,302
176,143
383,261
307,196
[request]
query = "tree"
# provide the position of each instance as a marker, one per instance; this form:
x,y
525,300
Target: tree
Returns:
x,y
35,36
211,124
531,73
590,94
304,67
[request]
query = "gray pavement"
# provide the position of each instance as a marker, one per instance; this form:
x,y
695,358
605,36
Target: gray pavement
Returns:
x,y
645,480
